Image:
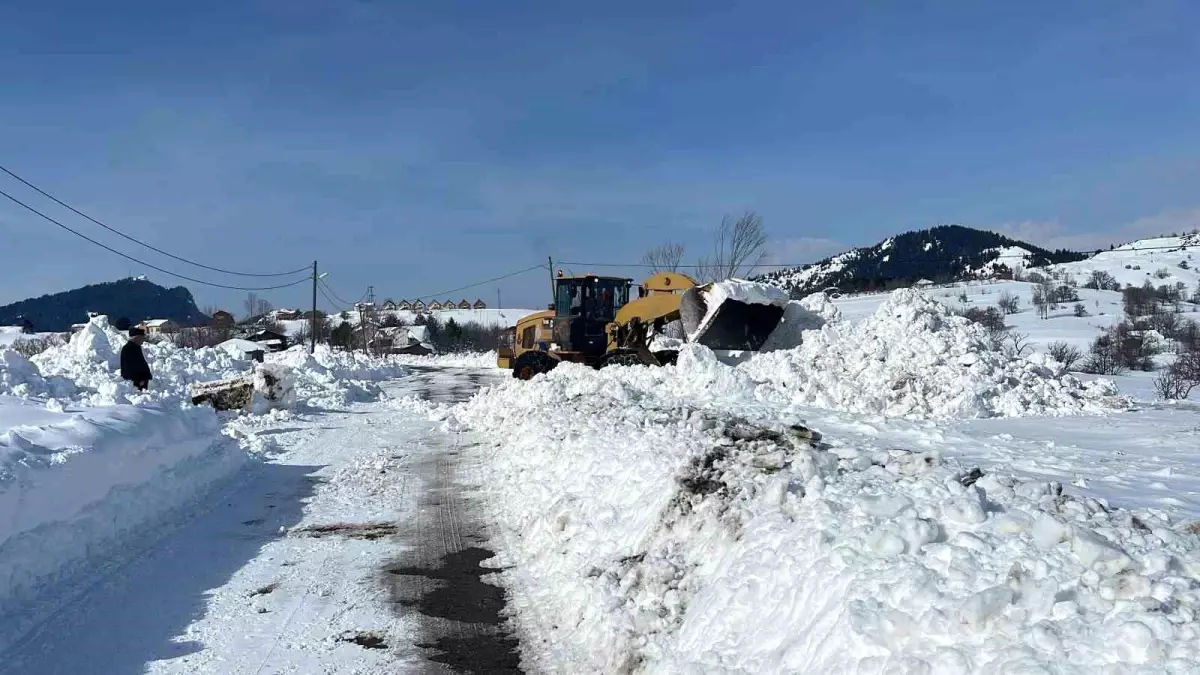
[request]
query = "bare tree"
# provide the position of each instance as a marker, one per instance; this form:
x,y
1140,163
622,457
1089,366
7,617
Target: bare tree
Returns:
x,y
738,247
256,306
664,258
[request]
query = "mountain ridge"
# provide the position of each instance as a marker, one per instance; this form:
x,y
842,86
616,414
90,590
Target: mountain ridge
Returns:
x,y
132,298
938,254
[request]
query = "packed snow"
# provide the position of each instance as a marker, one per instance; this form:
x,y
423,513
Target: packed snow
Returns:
x,y
737,290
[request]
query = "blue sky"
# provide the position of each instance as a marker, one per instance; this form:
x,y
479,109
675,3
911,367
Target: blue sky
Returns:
x,y
423,146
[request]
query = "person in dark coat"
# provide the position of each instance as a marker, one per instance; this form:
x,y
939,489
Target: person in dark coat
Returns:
x,y
133,362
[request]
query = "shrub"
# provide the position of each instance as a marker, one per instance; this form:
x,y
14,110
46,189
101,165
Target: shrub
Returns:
x,y
1183,265
1014,344
1064,354
1008,303
1080,310
30,347
1123,347
1162,273
1178,381
1102,281
1102,356
962,297
990,317
1035,278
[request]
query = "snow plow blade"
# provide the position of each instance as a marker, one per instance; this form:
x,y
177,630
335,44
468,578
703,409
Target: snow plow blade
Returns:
x,y
731,315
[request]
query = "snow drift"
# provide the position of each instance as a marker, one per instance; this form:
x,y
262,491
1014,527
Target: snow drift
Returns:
x,y
645,529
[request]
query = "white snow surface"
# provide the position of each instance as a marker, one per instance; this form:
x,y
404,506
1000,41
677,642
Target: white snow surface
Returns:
x,y
912,358
86,461
458,360
645,528
1149,256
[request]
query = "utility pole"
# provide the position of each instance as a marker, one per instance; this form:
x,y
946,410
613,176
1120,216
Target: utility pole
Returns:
x,y
312,347
551,261
498,305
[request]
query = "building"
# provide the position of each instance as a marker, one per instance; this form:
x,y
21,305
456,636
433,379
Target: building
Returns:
x,y
449,304
464,304
390,305
419,306
480,304
270,339
159,326
404,305
434,306
286,314
222,319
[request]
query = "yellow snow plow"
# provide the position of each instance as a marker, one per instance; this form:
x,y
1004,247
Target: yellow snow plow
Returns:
x,y
594,321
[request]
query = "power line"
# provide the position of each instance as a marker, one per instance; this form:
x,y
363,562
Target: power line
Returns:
x,y
334,293
142,262
893,259
333,305
115,231
483,282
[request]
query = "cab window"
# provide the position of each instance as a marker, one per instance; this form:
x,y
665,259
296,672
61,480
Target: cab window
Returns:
x,y
527,338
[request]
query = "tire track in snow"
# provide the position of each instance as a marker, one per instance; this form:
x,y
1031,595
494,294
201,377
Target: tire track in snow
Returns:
x,y
461,615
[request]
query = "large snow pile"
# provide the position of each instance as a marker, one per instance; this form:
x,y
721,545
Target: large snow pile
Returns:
x,y
641,534
914,358
85,370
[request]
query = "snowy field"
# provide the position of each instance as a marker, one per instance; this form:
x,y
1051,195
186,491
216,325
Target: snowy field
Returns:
x,y
87,462
955,510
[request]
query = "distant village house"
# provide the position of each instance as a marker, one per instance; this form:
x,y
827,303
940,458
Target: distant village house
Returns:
x,y
159,326
222,319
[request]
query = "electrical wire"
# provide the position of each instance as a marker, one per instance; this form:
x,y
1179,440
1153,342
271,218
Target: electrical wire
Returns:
x,y
142,262
481,283
333,305
340,298
115,231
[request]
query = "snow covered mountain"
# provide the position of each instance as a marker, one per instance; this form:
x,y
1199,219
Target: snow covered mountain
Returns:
x,y
133,299
944,253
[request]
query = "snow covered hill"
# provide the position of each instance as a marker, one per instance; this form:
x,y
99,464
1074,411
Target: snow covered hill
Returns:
x,y
1161,260
946,253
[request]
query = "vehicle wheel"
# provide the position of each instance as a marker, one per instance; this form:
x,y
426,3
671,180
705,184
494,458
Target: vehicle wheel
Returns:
x,y
621,358
667,357
531,363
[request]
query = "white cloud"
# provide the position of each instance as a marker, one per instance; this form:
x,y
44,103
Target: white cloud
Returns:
x,y
801,250
1052,234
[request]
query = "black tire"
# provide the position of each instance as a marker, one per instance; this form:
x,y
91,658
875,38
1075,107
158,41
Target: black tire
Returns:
x,y
621,358
532,363
667,357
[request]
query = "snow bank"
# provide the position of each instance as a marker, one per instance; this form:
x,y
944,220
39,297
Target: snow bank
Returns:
x,y
913,358
76,484
641,533
88,464
463,360
85,371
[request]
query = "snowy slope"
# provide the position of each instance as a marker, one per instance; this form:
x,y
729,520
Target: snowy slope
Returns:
x,y
1150,255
